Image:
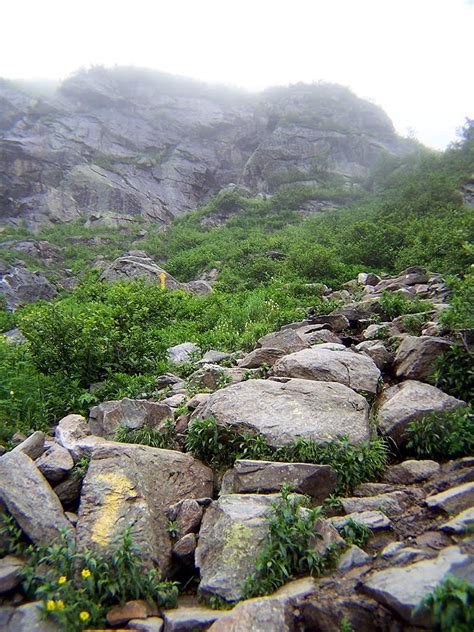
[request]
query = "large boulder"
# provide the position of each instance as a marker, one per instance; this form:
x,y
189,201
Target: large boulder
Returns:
x,y
357,371
317,481
134,486
106,418
55,463
286,340
137,264
287,410
184,352
402,589
408,401
416,356
30,500
232,535
263,355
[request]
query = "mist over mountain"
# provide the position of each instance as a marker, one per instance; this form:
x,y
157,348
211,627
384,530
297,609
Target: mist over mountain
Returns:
x,y
111,145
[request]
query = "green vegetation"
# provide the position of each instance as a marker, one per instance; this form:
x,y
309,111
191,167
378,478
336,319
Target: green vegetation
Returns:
x,y
451,605
220,446
395,304
163,438
78,588
289,549
442,435
355,532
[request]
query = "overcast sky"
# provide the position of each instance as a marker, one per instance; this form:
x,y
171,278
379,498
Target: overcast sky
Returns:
x,y
413,57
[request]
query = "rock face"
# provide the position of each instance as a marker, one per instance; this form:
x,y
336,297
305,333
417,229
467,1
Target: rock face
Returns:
x,y
133,486
407,402
113,145
357,371
286,410
232,534
29,498
20,286
402,589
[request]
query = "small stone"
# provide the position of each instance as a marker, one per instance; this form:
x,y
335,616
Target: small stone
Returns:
x,y
354,556
375,520
33,446
137,609
453,500
55,463
287,341
187,514
184,549
10,567
186,618
392,503
151,624
167,379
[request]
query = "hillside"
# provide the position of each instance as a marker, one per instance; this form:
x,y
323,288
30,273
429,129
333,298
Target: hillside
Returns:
x,y
236,376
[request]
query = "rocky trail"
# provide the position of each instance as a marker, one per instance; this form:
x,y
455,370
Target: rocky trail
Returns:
x,y
363,372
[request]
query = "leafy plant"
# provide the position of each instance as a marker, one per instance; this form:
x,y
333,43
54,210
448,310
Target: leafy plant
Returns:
x,y
78,588
80,468
355,532
395,304
12,541
454,372
214,444
442,435
288,550
451,605
156,438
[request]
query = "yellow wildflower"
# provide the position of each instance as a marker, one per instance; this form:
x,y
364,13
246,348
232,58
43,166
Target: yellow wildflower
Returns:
x,y
84,615
86,573
62,580
50,605
60,604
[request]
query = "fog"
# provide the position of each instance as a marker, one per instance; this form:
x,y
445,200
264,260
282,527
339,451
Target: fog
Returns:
x,y
412,57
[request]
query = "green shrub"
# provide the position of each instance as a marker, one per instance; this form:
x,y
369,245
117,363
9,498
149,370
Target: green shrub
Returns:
x,y
214,444
288,550
451,605
442,435
7,319
77,589
165,438
355,532
454,372
460,314
394,304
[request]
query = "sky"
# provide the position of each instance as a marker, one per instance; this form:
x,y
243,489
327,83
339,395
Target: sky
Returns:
x,y
412,57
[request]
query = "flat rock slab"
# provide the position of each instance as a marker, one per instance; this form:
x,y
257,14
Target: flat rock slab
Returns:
x,y
151,624
392,503
134,486
402,589
257,615
354,556
257,357
375,520
286,340
185,618
408,401
30,499
453,500
232,535
412,471
355,370
284,411
460,524
251,477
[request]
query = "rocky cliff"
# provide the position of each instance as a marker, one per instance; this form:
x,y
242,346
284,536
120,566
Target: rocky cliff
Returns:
x,y
122,144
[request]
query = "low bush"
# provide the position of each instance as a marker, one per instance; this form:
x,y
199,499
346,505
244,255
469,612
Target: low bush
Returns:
x,y
288,550
454,372
355,532
442,435
394,304
78,588
165,438
451,605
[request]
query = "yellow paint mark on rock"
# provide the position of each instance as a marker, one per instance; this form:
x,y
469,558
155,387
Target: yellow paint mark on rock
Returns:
x,y
120,488
238,543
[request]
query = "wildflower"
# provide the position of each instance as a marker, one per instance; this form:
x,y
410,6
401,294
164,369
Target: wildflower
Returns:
x,y
86,573
84,615
50,605
60,604
12,393
62,580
